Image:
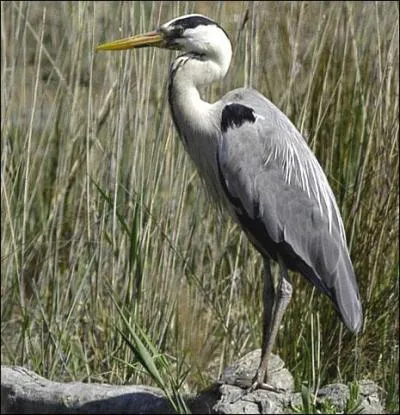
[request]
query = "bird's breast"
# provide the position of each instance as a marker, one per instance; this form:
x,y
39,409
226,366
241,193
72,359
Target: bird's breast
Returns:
x,y
198,125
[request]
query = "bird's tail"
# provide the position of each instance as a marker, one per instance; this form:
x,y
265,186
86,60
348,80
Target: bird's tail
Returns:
x,y
346,295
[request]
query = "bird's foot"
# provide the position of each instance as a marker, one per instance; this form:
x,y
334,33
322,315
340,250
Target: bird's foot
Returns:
x,y
250,385
265,386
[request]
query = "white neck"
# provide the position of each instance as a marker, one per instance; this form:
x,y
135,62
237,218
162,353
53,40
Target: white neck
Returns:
x,y
188,108
188,73
197,121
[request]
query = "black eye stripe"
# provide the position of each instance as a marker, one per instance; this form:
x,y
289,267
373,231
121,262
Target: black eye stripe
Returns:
x,y
178,31
176,28
193,21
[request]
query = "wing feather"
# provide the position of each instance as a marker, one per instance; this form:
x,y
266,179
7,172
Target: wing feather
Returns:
x,y
285,205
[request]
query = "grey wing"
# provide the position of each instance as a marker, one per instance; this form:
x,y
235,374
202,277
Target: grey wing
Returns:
x,y
280,217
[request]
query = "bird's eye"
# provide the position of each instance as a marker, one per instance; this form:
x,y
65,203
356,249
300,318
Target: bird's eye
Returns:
x,y
178,31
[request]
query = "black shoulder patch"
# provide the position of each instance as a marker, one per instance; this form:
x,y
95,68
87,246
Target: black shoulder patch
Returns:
x,y
234,115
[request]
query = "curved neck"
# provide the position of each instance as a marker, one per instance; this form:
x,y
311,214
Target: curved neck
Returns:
x,y
188,73
197,121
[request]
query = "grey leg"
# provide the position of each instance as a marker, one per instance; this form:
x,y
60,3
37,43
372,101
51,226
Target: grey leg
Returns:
x,y
272,318
268,301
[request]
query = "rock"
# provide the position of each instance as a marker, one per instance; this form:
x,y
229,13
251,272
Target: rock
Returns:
x,y
23,391
371,397
236,400
245,368
338,395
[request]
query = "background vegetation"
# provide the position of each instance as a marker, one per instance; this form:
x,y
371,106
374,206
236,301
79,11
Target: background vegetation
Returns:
x,y
102,209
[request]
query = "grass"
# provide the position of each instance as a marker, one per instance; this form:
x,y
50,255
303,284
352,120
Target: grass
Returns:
x,y
98,194
310,405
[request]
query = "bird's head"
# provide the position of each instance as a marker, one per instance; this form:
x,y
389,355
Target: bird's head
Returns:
x,y
193,34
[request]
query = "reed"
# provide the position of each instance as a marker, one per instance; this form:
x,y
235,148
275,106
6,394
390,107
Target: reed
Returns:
x,y
98,194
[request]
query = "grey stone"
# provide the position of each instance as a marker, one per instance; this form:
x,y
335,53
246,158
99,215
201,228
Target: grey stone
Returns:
x,y
245,368
337,393
23,391
236,400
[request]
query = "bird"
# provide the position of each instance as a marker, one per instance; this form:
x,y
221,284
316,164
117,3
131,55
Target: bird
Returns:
x,y
255,164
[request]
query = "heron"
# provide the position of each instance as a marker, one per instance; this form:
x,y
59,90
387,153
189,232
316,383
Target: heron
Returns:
x,y
256,164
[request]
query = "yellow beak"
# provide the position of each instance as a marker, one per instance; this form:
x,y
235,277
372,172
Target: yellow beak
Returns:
x,y
139,41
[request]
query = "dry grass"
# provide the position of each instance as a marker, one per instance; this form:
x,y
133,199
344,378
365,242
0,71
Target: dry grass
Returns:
x,y
97,193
